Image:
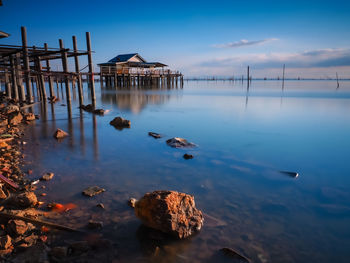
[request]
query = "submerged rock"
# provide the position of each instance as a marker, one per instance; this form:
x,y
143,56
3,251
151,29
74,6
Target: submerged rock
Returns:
x,y
120,123
60,134
88,108
188,156
177,142
155,135
94,224
99,111
93,190
170,212
230,253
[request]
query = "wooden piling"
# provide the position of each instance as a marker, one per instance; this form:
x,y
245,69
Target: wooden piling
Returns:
x,y
248,78
65,71
13,78
91,74
48,69
26,65
77,70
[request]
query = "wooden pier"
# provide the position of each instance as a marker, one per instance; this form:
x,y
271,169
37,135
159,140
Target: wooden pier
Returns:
x,y
26,72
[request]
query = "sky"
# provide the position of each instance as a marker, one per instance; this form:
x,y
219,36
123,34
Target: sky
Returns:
x,y
198,38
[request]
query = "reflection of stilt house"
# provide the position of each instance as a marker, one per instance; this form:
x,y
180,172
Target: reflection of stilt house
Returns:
x,y
132,69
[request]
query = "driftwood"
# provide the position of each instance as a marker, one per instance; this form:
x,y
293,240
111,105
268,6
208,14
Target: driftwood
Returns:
x,y
8,182
39,222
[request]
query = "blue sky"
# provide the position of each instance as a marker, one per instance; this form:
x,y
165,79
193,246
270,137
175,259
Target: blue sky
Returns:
x,y
200,38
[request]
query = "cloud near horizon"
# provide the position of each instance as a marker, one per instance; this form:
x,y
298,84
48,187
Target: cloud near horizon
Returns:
x,y
244,42
315,58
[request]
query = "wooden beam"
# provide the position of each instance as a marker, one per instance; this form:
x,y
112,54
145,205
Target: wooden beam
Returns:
x,y
26,65
91,70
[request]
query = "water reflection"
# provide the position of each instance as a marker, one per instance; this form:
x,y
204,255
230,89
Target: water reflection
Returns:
x,y
136,99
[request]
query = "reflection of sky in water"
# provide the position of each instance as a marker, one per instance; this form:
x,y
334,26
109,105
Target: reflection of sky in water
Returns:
x,y
243,141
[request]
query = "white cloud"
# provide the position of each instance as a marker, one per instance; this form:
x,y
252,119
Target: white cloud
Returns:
x,y
244,42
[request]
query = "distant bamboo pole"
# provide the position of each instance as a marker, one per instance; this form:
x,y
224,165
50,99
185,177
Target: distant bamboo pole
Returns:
x,y
337,80
284,66
248,78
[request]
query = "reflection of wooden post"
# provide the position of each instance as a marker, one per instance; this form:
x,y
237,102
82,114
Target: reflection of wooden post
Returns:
x,y
76,60
65,71
248,78
91,70
52,93
26,65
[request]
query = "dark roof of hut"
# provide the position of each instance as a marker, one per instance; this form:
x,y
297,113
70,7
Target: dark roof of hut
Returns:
x,y
125,57
3,34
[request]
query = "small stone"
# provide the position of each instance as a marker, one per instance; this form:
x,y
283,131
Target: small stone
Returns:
x,y
177,142
29,117
132,202
59,252
5,242
60,134
95,224
155,135
15,118
3,122
17,227
88,108
188,156
47,176
99,112
11,108
93,190
3,195
100,205
120,123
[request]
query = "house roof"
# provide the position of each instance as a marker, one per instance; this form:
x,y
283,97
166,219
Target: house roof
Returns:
x,y
3,34
125,58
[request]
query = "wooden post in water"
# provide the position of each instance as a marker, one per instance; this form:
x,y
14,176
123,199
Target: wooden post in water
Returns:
x,y
52,93
91,70
284,66
77,70
22,95
7,84
26,65
13,77
40,78
65,71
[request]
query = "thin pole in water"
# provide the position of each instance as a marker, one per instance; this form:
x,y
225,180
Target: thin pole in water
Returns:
x,y
337,80
284,67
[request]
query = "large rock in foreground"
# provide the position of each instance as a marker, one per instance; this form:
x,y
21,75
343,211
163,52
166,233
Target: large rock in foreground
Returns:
x,y
170,212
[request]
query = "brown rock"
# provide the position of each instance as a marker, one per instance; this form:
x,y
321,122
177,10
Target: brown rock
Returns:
x,y
155,135
24,200
15,118
17,227
60,134
3,195
29,117
47,176
5,242
3,122
11,108
170,212
119,122
93,190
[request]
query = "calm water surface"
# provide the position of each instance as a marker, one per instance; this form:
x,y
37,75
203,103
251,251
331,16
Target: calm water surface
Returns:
x,y
244,139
